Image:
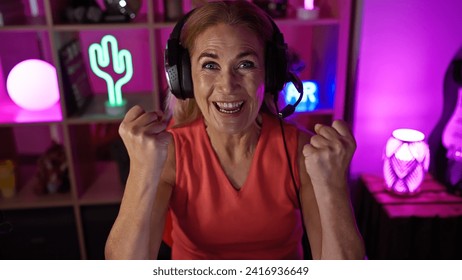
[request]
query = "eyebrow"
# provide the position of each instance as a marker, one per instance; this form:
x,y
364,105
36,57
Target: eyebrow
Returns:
x,y
215,56
207,54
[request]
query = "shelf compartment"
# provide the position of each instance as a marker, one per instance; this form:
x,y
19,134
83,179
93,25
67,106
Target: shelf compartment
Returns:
x,y
59,12
18,47
27,198
40,234
318,54
106,187
22,14
96,148
136,41
161,14
16,145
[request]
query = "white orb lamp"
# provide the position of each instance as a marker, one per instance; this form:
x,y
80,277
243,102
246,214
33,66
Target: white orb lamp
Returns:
x,y
406,161
32,85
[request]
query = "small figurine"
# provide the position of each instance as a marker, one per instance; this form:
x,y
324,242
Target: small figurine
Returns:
x,y
52,171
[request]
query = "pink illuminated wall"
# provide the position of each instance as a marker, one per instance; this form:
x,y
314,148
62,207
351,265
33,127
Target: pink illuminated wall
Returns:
x,y
405,49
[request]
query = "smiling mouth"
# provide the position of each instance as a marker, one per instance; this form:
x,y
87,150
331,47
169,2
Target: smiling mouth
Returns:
x,y
229,107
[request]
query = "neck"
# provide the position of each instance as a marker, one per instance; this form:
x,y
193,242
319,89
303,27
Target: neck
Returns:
x,y
235,147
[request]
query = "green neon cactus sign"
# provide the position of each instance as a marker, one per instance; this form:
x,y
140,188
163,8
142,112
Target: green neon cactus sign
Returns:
x,y
121,62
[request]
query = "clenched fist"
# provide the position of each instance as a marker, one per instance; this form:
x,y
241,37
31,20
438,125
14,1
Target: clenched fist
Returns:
x,y
329,153
145,138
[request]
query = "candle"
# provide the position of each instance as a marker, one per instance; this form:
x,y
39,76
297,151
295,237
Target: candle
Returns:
x,y
309,11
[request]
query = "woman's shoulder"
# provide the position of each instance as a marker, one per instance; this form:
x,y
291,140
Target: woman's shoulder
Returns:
x,y
184,126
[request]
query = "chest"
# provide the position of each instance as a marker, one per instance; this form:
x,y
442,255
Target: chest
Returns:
x,y
236,173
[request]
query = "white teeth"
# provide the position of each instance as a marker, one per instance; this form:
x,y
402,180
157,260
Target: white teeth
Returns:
x,y
229,105
228,111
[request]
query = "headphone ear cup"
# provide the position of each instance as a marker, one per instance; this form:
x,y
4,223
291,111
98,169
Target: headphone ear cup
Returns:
x,y
186,77
178,70
172,68
269,69
276,68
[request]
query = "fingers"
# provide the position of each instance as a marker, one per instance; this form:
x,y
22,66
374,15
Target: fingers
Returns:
x,y
338,128
139,114
331,135
134,113
155,128
149,117
137,120
342,128
308,149
324,136
326,131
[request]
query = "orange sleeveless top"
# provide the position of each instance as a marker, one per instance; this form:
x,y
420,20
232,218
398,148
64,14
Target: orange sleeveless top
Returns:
x,y
213,220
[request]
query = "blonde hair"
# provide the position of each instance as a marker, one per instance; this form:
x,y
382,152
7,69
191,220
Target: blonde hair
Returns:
x,y
234,13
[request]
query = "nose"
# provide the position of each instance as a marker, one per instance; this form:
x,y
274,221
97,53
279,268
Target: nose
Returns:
x,y
227,80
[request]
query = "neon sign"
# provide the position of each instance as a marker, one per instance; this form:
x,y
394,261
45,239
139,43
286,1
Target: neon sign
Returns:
x,y
310,96
121,62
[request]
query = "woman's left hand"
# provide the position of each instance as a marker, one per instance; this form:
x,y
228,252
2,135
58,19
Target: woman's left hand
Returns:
x,y
329,153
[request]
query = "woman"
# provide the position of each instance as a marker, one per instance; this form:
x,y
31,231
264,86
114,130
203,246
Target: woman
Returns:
x,y
222,170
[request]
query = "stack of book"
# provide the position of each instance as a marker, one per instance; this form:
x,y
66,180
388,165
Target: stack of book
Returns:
x,y
11,12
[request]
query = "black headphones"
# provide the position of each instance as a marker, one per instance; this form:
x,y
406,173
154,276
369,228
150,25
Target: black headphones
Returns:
x,y
178,66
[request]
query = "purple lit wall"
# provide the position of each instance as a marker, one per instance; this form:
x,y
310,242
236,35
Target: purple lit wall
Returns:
x,y
405,49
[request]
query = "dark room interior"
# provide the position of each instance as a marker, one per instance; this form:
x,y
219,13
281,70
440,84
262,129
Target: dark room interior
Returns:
x,y
391,69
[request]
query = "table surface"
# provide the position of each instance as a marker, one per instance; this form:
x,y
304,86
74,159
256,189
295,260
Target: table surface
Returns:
x,y
433,200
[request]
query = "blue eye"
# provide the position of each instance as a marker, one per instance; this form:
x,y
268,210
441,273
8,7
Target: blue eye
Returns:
x,y
209,65
247,64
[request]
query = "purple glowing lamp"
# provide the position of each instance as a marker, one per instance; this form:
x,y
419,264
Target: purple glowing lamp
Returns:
x,y
406,161
32,85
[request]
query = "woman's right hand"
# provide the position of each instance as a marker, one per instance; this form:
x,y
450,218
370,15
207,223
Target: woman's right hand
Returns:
x,y
145,139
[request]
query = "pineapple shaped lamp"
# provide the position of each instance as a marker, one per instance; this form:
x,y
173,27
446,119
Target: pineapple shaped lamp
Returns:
x,y
406,161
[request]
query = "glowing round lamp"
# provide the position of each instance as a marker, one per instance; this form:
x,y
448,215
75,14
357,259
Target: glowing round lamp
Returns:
x,y
406,161
32,85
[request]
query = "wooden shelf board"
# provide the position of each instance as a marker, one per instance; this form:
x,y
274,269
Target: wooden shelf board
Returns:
x,y
29,24
10,113
106,189
281,22
95,112
162,25
140,22
298,22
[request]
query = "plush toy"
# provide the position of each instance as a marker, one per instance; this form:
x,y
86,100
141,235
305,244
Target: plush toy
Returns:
x,y
52,171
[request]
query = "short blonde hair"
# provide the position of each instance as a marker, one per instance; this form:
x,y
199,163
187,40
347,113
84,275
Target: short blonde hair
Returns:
x,y
233,13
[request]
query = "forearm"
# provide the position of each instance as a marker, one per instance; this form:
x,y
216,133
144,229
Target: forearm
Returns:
x,y
130,235
340,236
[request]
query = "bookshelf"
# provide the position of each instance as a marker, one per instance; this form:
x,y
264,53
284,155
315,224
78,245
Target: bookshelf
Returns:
x,y
90,141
